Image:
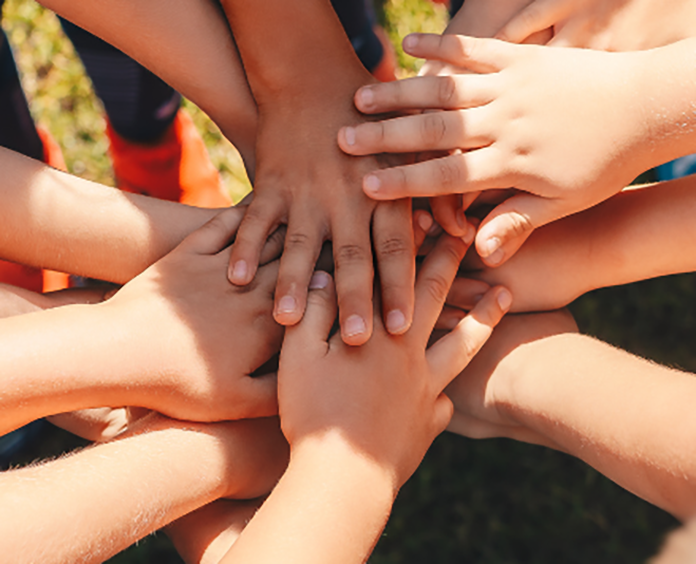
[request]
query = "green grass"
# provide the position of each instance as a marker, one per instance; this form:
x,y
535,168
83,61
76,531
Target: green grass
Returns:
x,y
487,502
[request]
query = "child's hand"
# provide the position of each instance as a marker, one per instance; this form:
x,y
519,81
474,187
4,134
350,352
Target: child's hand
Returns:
x,y
197,337
614,25
563,126
384,399
557,264
305,181
477,391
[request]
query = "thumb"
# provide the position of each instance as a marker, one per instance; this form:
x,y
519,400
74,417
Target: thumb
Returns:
x,y
536,17
319,316
216,234
507,227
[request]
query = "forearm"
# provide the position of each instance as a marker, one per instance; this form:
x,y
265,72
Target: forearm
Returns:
x,y
195,53
66,359
638,234
294,52
330,505
668,121
628,418
54,220
145,481
206,535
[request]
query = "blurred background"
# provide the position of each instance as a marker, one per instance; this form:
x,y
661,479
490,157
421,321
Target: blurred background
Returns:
x,y
488,502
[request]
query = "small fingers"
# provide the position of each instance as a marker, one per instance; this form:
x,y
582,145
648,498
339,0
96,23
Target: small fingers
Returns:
x,y
302,247
451,354
354,273
536,17
449,214
274,246
465,293
395,251
434,282
451,92
260,219
472,53
505,228
422,224
429,131
449,318
460,173
320,314
216,234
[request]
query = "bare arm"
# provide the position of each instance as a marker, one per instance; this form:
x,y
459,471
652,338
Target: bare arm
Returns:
x,y
195,53
539,381
162,342
638,234
146,480
54,220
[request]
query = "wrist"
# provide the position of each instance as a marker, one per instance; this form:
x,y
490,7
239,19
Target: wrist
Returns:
x,y
339,461
667,114
523,391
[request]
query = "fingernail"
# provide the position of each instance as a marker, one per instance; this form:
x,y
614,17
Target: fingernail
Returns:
x,y
504,299
477,298
468,237
452,322
319,281
496,258
239,271
372,184
410,41
396,321
287,304
491,246
367,96
349,133
354,325
425,221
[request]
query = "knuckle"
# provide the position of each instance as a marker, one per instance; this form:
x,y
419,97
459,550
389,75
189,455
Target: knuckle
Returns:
x,y
348,254
433,128
519,224
437,286
449,173
394,247
297,240
447,89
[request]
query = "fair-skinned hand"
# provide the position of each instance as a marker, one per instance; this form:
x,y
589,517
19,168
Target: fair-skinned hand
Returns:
x,y
509,127
614,25
385,399
304,181
555,266
200,337
473,392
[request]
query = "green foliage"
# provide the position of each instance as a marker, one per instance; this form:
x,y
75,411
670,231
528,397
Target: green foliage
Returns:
x,y
489,502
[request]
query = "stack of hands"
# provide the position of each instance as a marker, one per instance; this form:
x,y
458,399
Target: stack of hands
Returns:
x,y
233,368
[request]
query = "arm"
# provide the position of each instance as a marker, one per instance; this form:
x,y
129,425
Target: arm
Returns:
x,y
54,220
146,479
614,25
303,73
162,342
512,126
351,448
195,54
539,381
636,235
